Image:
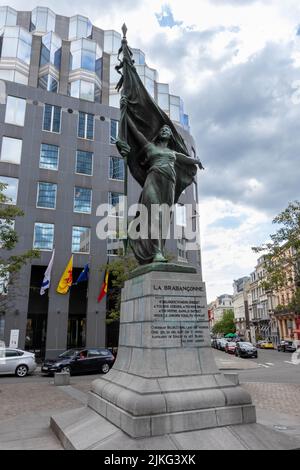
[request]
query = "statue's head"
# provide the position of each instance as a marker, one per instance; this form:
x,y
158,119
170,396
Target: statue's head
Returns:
x,y
165,133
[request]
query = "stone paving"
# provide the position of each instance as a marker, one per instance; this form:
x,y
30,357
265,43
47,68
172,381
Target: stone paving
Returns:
x,y
283,398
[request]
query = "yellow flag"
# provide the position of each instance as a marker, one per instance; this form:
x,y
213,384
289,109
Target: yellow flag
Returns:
x,y
66,279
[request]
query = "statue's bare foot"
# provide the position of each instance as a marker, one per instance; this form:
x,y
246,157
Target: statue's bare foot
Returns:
x,y
159,258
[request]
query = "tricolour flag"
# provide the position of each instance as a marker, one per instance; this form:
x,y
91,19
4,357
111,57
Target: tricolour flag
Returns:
x,y
66,279
104,287
47,276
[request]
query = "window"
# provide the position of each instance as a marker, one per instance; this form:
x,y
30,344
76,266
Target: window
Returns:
x,y
180,215
11,190
116,168
16,44
49,83
86,126
8,17
52,118
84,163
11,150
15,111
43,236
51,50
46,195
181,250
49,157
4,281
81,237
80,27
115,247
116,200
2,330
114,130
83,200
86,54
43,19
84,90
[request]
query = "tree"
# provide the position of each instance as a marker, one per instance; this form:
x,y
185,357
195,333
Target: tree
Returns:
x,y
119,270
282,253
226,324
10,266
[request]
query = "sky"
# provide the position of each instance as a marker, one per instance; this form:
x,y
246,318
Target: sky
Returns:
x,y
236,65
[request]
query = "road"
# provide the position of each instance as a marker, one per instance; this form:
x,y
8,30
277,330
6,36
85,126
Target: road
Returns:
x,y
272,367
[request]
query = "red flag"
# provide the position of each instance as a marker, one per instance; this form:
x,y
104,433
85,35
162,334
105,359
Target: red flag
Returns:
x,y
104,287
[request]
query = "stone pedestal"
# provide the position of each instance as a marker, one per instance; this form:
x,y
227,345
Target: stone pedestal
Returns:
x,y
165,379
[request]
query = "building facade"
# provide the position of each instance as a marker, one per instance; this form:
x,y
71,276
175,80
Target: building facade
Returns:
x,y
59,113
240,307
217,308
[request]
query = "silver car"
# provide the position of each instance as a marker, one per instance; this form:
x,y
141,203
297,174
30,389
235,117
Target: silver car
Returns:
x,y
15,361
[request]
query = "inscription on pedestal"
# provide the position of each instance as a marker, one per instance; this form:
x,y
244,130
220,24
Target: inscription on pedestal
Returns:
x,y
180,318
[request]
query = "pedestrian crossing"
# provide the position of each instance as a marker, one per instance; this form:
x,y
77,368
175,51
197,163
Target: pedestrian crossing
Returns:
x,y
267,365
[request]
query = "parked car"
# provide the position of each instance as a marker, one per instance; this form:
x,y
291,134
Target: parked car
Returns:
x,y
287,346
265,344
230,347
78,361
17,362
244,349
221,344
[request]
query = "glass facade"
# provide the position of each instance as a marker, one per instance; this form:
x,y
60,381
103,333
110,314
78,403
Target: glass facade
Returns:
x,y
86,126
80,27
115,247
11,150
116,168
43,236
42,20
83,200
8,17
114,130
84,163
15,111
16,43
52,118
49,83
85,90
46,195
87,55
181,250
81,237
112,41
11,190
49,157
51,50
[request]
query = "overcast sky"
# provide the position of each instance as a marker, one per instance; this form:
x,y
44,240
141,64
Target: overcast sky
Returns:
x,y
236,64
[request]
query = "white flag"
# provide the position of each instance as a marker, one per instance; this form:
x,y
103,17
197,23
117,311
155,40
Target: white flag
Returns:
x,y
47,277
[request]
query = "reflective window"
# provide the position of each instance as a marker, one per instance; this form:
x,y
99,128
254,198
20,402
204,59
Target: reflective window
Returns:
x,y
84,90
83,200
43,236
116,200
49,157
46,195
112,41
114,130
81,237
51,50
84,163
115,247
49,83
8,17
16,43
116,168
181,250
11,150
181,215
14,76
15,111
11,190
80,27
52,118
87,55
6,227
43,19
2,326
86,126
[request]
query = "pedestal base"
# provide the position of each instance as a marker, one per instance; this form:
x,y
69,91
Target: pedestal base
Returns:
x,y
165,379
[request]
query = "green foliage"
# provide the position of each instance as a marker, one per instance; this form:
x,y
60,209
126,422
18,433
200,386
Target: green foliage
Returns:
x,y
10,265
119,270
226,325
282,254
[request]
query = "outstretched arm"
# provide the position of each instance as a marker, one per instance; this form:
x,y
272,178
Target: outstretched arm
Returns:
x,y
188,161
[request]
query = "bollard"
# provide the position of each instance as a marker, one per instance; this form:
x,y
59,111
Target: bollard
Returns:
x,y
61,378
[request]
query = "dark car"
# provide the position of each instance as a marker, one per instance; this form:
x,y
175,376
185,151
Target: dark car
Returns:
x,y
244,349
80,361
286,346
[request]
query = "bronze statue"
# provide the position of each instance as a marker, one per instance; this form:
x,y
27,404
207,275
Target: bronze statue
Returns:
x,y
155,153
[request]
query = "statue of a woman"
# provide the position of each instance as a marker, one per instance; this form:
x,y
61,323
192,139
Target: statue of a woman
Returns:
x,y
166,174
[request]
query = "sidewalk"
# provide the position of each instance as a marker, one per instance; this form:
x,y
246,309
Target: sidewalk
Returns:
x,y
26,409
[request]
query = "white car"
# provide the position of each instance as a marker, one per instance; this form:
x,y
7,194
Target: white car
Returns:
x,y
17,362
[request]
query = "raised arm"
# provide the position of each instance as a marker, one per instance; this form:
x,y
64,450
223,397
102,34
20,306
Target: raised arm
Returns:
x,y
188,161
